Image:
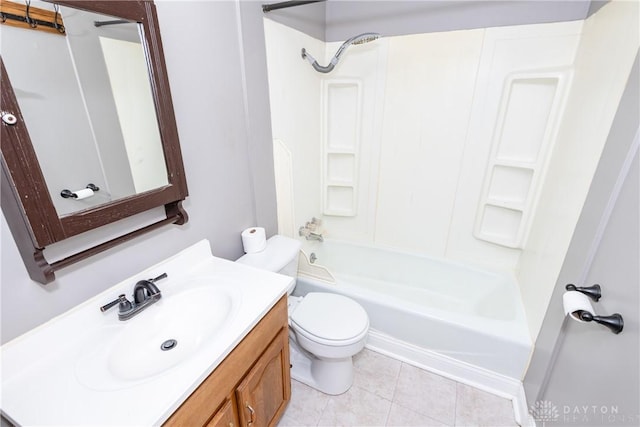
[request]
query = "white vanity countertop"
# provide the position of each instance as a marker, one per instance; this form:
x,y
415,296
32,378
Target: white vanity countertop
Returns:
x,y
42,373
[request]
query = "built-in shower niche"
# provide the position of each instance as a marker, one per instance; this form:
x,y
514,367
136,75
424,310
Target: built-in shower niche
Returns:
x,y
505,203
524,135
341,124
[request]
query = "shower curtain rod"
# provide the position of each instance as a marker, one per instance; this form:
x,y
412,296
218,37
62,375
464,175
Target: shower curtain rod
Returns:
x,y
284,4
113,22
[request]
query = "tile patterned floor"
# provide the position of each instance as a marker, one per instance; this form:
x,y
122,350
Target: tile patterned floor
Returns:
x,y
387,392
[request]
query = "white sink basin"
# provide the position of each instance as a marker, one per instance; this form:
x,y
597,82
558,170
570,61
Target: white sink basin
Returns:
x,y
86,367
157,339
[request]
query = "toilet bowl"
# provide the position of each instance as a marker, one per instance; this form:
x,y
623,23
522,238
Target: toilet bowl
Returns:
x,y
325,330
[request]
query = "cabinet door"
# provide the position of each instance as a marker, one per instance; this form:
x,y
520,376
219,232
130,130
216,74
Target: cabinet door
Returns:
x,y
265,391
227,416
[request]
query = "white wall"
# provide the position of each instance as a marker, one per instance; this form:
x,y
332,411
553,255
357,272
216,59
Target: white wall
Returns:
x,y
217,72
507,52
608,46
437,126
295,106
129,78
429,93
614,164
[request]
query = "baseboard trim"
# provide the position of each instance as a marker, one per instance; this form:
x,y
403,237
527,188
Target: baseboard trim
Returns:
x,y
483,379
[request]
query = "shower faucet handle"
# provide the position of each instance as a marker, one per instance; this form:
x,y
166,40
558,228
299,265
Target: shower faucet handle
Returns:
x,y
310,232
313,225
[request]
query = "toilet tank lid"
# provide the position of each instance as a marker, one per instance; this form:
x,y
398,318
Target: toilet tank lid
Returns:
x,y
279,252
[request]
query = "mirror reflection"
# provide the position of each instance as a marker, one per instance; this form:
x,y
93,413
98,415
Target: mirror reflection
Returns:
x,y
87,101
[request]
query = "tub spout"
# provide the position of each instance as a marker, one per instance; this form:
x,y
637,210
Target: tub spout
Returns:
x,y
312,230
310,235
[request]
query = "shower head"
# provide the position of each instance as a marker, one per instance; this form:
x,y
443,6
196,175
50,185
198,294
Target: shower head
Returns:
x,y
363,38
356,40
359,39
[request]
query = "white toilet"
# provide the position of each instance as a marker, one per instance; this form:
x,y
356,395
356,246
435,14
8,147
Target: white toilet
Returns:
x,y
325,329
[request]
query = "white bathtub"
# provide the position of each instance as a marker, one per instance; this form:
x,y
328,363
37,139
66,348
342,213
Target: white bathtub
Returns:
x,y
463,313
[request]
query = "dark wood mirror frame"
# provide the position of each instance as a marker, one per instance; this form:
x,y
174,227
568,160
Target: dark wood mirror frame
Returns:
x,y
26,202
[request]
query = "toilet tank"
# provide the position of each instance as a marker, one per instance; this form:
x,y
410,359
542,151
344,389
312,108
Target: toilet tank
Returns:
x,y
280,256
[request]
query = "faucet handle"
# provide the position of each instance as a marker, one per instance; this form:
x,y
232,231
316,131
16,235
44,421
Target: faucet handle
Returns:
x,y
125,304
304,232
155,279
108,306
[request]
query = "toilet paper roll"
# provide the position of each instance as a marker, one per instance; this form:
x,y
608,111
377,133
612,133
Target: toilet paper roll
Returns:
x,y
574,302
84,193
254,240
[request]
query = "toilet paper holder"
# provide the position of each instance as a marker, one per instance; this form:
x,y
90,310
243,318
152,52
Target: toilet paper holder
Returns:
x,y
594,292
614,322
68,194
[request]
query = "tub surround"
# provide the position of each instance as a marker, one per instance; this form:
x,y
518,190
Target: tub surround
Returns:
x,y
398,166
44,368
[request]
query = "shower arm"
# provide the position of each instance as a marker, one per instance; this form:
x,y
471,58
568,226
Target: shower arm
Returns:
x,y
359,39
315,65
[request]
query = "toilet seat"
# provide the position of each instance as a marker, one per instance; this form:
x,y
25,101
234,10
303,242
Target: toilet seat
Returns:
x,y
330,319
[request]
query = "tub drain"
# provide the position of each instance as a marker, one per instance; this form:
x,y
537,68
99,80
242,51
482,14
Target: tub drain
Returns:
x,y
168,345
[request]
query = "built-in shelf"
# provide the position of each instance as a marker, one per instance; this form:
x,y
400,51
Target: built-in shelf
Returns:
x,y
341,123
524,135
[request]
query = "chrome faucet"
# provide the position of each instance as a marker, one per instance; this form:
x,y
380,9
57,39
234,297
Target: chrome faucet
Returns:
x,y
312,230
145,293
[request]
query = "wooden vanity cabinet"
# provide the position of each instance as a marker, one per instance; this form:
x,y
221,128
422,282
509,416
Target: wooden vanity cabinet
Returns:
x,y
252,385
227,416
259,397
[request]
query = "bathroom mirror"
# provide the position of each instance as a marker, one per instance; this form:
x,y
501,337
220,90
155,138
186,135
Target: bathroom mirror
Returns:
x,y
92,109
101,74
